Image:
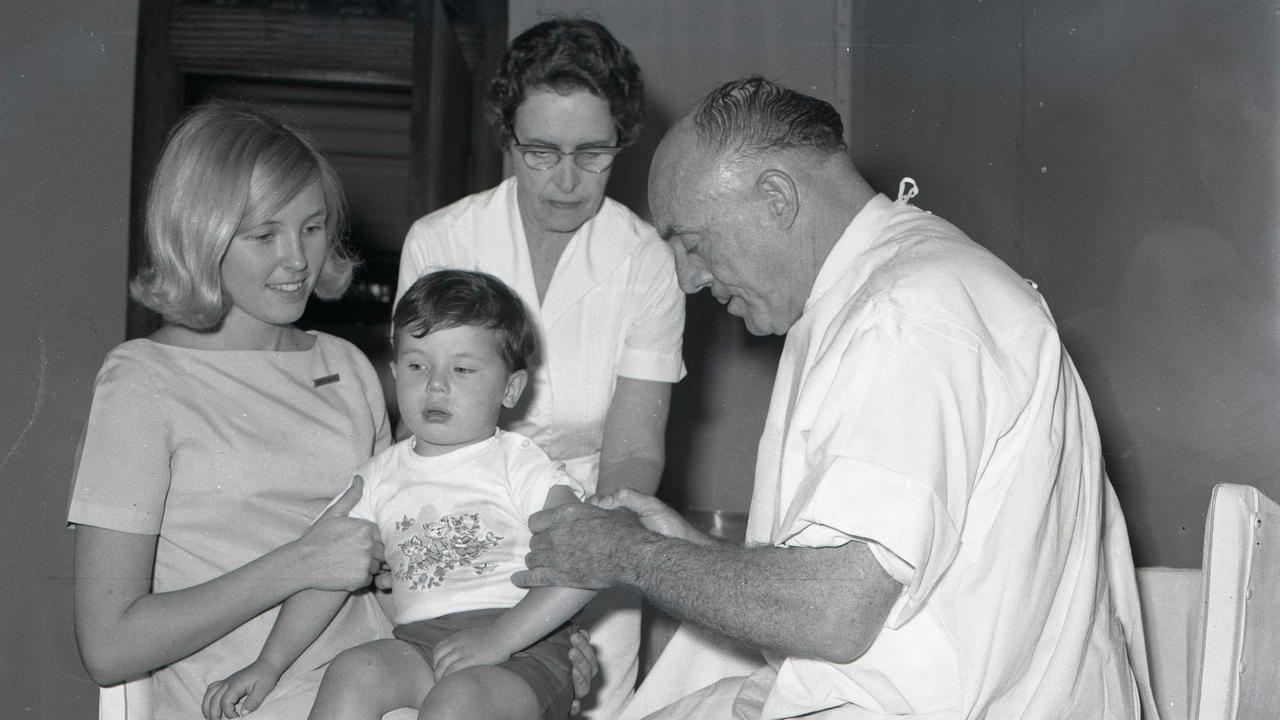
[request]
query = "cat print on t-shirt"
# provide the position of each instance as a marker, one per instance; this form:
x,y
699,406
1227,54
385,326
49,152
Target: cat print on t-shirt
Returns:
x,y
439,544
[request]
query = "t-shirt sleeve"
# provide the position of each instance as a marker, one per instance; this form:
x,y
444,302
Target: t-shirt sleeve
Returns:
x,y
653,342
122,471
532,475
895,451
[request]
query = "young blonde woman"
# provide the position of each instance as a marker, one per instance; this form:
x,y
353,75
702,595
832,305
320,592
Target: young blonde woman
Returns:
x,y
213,445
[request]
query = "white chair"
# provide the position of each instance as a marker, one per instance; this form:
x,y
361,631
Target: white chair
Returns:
x,y
1238,670
1213,637
126,701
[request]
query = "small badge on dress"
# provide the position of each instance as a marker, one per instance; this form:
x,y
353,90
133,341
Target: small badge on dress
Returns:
x,y
326,380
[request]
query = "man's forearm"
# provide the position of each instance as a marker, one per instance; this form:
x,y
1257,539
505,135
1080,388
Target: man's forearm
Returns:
x,y
828,603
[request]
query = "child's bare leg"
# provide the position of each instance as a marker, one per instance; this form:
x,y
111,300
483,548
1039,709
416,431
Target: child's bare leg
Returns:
x,y
369,680
484,692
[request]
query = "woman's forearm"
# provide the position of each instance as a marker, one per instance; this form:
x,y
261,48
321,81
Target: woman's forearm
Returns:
x,y
641,474
633,451
124,630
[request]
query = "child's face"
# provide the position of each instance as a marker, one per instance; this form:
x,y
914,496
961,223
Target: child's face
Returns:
x,y
451,384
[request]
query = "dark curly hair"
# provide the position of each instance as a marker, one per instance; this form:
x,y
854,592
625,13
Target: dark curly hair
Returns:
x,y
449,298
567,55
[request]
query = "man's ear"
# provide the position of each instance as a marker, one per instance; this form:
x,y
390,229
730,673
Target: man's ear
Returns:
x,y
515,386
780,192
392,365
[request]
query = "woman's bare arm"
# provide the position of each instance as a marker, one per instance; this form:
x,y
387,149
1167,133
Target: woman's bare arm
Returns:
x,y
633,450
124,630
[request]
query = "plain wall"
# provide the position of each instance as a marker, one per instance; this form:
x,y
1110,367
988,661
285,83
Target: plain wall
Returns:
x,y
1123,155
66,112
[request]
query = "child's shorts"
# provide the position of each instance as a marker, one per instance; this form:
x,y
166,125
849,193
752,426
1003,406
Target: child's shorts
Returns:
x,y
544,665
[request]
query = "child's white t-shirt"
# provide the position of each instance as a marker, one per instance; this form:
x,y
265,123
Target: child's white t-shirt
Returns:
x,y
456,526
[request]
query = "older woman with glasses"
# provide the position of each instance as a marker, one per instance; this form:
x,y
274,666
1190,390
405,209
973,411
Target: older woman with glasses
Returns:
x,y
598,281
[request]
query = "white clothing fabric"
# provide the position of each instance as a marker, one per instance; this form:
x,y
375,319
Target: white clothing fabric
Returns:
x,y
225,456
613,309
455,526
694,658
924,405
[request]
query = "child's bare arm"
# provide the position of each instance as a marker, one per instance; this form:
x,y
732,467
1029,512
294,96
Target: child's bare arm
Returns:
x,y
540,612
301,620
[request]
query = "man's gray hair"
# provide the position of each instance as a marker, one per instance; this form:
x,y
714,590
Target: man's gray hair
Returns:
x,y
751,116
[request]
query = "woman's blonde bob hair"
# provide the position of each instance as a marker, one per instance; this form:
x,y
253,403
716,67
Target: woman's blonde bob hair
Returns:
x,y
227,167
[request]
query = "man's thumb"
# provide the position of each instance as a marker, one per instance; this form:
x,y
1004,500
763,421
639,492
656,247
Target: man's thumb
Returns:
x,y
348,500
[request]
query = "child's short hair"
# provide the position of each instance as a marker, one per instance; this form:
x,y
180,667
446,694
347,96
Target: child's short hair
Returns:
x,y
450,298
227,166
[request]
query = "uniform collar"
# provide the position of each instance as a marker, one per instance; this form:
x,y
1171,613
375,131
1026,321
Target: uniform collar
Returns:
x,y
599,246
859,236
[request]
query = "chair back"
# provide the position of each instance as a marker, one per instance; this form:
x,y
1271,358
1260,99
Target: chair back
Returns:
x,y
127,701
1237,674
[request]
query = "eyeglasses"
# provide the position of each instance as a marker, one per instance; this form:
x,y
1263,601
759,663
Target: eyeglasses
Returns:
x,y
545,157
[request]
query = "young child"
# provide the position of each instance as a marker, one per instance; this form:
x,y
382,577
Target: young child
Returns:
x,y
451,503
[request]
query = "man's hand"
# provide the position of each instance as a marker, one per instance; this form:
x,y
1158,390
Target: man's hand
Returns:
x,y
246,688
575,546
654,514
468,648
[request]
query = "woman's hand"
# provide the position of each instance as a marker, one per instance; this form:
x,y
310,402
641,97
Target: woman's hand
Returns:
x,y
341,553
246,688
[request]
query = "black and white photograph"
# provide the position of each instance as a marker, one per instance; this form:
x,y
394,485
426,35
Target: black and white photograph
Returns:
x,y
640,359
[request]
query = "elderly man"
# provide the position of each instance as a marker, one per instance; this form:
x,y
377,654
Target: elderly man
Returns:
x,y
932,532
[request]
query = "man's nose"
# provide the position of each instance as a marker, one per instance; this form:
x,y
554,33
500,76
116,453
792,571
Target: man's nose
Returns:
x,y
692,274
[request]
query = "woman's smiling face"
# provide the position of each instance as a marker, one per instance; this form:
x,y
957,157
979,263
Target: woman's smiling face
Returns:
x,y
270,269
